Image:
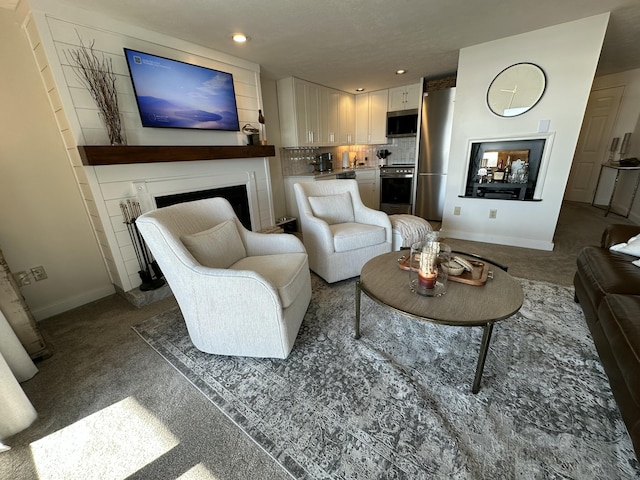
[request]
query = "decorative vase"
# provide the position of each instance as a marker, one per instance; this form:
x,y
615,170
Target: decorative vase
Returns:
x,y
114,123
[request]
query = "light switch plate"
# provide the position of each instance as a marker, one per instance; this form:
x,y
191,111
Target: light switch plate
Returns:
x,y
543,126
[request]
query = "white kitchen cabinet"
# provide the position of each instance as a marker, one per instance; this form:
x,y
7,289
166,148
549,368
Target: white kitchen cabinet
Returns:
x,y
290,196
369,187
330,116
313,115
347,119
404,98
371,117
299,105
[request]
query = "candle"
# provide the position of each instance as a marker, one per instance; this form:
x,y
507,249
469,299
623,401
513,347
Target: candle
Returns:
x,y
427,280
428,271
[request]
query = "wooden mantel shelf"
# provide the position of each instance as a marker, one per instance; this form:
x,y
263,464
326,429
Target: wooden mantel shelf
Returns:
x,y
123,154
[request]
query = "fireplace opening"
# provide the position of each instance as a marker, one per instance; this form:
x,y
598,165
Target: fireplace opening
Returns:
x,y
236,195
506,169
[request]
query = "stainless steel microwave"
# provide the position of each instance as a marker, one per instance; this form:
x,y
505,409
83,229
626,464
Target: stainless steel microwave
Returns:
x,y
403,123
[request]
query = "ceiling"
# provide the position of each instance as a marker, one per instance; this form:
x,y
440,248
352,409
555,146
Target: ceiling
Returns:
x,y
346,44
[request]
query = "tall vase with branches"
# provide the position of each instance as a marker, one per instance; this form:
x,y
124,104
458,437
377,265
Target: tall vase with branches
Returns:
x,y
96,74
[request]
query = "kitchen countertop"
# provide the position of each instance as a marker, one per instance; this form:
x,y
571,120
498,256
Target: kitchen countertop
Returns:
x,y
333,172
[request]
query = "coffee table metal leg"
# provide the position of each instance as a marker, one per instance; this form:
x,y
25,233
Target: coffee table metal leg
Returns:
x,y
358,309
484,349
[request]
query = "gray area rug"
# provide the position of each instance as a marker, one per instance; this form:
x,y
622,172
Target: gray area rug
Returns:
x,y
398,404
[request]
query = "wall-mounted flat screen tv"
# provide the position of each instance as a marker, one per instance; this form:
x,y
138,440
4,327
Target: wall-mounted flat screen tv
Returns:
x,y
176,94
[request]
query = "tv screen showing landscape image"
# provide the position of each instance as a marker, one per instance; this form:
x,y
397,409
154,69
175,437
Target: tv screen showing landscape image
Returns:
x,y
176,94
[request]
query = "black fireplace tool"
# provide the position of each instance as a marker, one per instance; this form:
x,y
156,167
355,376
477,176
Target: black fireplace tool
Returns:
x,y
149,272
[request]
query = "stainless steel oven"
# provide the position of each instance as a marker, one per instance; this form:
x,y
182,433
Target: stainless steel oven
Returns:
x,y
396,188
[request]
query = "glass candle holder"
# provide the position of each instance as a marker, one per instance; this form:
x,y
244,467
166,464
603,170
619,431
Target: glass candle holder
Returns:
x,y
426,275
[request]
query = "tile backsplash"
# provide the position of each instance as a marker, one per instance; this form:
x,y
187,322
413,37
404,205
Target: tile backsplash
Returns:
x,y
297,161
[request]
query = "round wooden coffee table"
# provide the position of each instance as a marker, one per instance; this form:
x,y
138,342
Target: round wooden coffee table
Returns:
x,y
462,305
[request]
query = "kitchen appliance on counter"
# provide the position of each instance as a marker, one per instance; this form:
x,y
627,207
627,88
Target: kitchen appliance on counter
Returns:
x,y
323,162
396,188
433,153
382,156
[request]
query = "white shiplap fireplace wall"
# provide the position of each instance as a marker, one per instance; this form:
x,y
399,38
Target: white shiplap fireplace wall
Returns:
x,y
54,28
144,182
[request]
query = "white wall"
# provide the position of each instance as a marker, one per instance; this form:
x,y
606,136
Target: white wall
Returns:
x,y
53,30
568,53
629,107
42,218
48,212
272,132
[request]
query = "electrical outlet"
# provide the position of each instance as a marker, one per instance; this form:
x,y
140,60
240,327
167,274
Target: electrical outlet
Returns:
x,y
456,210
493,213
22,278
39,273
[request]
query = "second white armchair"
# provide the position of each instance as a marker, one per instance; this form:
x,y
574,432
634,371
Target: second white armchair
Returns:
x,y
339,232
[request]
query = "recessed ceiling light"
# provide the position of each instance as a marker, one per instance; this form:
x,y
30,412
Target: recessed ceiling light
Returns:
x,y
360,89
240,38
400,72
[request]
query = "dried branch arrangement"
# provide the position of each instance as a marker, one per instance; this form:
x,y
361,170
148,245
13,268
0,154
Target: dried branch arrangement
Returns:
x,y
96,74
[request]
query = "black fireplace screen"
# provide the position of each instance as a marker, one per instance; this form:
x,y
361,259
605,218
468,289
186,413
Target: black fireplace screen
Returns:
x,y
236,195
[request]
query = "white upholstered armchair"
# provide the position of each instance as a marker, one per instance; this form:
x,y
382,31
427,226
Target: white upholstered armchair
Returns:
x,y
339,232
240,292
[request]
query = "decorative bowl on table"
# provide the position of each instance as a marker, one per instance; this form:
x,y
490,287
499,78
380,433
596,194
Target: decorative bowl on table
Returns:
x,y
453,268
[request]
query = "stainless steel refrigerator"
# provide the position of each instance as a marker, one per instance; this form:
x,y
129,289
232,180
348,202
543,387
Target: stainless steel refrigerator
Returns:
x,y
433,153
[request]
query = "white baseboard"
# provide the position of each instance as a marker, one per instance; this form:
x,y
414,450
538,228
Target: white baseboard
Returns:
x,y
72,302
498,239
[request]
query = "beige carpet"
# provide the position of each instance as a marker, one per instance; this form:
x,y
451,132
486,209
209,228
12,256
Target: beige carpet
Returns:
x,y
142,419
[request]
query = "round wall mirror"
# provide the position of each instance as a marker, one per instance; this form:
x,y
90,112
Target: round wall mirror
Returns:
x,y
516,89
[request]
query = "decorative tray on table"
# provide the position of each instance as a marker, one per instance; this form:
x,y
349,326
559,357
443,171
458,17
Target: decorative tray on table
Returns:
x,y
478,276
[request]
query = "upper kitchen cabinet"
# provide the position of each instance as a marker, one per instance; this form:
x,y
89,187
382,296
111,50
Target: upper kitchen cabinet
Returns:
x,y
371,117
330,116
347,118
312,115
404,98
300,112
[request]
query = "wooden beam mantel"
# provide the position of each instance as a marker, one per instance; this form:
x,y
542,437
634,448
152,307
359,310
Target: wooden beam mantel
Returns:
x,y
123,154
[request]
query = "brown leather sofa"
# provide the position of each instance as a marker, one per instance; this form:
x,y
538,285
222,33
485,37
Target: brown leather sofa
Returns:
x,y
607,286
